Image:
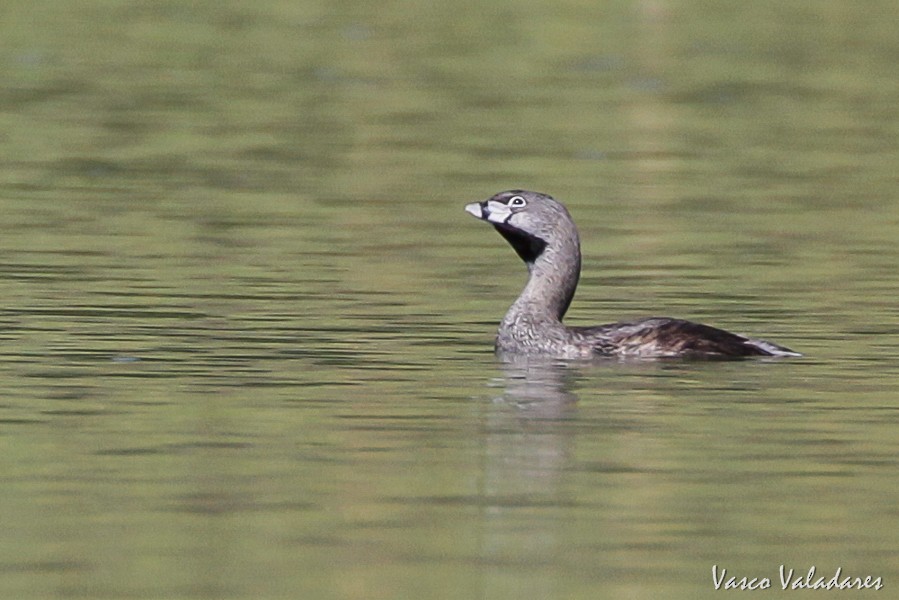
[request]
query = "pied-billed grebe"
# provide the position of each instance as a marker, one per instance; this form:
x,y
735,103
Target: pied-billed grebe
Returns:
x,y
542,233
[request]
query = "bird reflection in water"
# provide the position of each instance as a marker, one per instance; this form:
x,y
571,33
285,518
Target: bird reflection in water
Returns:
x,y
528,442
540,387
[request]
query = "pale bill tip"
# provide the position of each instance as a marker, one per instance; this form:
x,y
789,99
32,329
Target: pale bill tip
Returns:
x,y
474,209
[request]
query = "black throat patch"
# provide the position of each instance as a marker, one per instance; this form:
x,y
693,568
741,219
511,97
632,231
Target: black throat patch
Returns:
x,y
528,247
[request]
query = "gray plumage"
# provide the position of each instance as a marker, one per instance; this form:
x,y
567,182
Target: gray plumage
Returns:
x,y
542,232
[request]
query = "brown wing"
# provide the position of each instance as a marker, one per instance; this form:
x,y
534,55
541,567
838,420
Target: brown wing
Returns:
x,y
662,337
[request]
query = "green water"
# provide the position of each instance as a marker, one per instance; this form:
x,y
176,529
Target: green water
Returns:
x,y
247,326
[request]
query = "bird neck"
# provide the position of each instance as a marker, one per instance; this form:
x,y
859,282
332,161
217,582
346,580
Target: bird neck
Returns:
x,y
552,281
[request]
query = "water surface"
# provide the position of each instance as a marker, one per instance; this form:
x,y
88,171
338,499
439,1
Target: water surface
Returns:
x,y
247,327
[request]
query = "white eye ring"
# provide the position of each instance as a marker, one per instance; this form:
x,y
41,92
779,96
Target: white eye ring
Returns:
x,y
517,202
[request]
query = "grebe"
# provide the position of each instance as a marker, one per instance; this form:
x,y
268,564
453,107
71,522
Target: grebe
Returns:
x,y
543,234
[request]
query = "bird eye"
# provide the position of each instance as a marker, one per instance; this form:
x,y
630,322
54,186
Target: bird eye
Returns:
x,y
517,202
